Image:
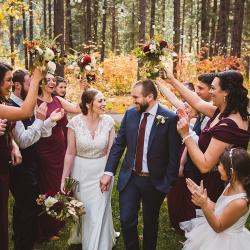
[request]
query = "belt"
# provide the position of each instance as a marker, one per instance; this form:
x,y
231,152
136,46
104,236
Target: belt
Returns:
x,y
140,174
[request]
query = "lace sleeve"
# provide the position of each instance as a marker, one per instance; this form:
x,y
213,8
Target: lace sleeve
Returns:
x,y
71,123
108,122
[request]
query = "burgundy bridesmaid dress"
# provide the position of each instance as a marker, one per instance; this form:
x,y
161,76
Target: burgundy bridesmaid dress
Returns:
x,y
50,152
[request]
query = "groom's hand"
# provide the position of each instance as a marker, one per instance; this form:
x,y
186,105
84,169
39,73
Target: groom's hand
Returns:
x,y
105,182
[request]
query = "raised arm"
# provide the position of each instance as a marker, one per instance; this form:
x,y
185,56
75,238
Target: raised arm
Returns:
x,y
69,156
191,97
69,107
166,92
26,110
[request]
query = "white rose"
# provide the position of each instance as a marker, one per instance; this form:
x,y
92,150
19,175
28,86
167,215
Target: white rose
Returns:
x,y
50,201
88,67
48,54
39,50
51,67
152,48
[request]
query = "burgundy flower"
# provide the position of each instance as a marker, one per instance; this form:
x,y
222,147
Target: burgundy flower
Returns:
x,y
163,44
86,60
146,48
57,207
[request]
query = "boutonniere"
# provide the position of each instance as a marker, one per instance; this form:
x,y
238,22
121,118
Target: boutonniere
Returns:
x,y
160,119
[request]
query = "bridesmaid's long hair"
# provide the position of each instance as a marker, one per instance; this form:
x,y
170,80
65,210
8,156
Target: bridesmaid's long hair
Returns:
x,y
237,100
4,68
87,98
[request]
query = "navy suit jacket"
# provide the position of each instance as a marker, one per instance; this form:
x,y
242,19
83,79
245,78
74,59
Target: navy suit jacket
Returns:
x,y
163,150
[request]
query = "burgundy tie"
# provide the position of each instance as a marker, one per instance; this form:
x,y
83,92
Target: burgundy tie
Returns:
x,y
140,144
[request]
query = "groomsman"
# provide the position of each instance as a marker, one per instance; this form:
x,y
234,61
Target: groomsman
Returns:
x,y
150,166
23,181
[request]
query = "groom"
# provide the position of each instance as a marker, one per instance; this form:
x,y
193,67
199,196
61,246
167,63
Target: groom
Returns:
x,y
150,166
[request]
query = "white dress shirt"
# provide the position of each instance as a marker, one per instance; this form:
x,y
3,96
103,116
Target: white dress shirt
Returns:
x,y
150,120
26,137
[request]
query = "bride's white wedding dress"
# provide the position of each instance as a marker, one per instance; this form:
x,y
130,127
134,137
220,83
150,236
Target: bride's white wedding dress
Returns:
x,y
97,225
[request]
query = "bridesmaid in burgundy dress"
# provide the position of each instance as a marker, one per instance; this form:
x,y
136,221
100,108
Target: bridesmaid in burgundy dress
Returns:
x,y
229,125
6,142
51,152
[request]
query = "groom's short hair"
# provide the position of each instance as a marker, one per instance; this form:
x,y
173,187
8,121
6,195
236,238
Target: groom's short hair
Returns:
x,y
148,87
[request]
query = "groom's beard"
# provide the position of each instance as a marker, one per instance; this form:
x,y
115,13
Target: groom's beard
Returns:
x,y
142,107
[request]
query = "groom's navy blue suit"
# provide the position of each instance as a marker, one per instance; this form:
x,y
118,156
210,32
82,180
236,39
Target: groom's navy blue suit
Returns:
x,y
163,164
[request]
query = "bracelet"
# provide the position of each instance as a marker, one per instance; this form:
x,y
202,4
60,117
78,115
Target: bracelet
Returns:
x,y
186,137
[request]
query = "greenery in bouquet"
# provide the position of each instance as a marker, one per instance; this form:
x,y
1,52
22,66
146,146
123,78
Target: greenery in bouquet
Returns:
x,y
62,206
84,65
152,56
43,52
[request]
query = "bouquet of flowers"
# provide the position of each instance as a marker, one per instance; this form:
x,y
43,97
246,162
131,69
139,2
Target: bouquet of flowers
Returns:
x,y
84,64
62,206
152,57
43,53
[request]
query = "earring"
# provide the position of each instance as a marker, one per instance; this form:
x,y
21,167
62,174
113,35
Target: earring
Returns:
x,y
224,98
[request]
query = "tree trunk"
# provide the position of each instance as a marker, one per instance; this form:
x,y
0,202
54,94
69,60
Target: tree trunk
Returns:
x,y
152,19
191,28
176,38
26,62
104,26
59,31
95,21
113,28
163,13
237,28
222,30
198,28
12,45
212,35
133,27
45,16
30,26
142,21
183,25
204,23
88,37
68,28
50,18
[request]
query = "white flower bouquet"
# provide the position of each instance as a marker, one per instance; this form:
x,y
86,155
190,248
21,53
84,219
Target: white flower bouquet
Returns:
x,y
62,206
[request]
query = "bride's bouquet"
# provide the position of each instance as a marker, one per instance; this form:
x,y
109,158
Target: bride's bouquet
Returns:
x,y
152,57
44,53
62,206
84,64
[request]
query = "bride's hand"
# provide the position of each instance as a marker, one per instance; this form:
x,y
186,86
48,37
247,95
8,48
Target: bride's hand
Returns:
x,y
62,187
105,182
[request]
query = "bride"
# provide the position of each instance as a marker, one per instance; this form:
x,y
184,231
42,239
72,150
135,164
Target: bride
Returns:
x,y
90,137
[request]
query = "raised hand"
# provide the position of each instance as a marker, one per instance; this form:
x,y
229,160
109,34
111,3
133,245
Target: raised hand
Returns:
x,y
57,115
168,74
38,75
41,111
183,123
193,187
105,182
3,124
200,199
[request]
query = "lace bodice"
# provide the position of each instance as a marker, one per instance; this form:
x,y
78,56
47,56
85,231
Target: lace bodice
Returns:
x,y
86,145
222,202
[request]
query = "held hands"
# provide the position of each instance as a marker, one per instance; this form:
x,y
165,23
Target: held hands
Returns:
x,y
105,182
57,115
41,111
183,123
3,126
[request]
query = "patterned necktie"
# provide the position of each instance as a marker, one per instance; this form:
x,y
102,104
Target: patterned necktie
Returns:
x,y
140,144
